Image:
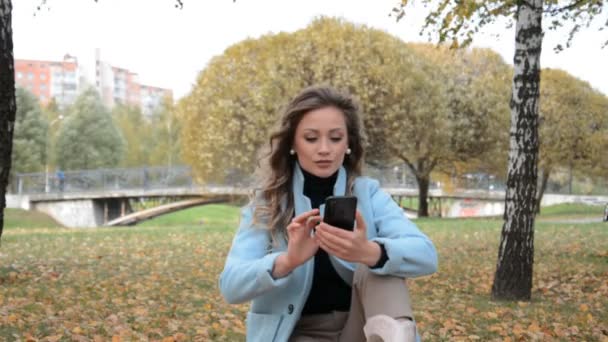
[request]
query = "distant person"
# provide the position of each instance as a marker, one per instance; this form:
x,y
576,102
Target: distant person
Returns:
x,y
310,282
606,213
60,179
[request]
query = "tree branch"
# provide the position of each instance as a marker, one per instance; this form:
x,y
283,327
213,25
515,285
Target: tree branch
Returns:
x,y
559,10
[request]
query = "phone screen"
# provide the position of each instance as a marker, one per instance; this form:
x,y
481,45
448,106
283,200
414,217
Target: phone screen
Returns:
x,y
340,211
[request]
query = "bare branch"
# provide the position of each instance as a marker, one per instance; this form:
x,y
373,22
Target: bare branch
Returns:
x,y
556,11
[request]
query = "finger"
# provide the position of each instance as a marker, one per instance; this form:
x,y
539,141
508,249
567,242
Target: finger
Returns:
x,y
293,226
331,248
342,233
313,221
305,215
335,241
360,222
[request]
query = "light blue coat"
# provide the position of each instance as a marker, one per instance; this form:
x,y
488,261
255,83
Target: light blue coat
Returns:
x,y
277,303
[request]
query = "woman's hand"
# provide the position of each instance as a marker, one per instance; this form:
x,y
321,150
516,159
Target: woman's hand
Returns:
x,y
301,245
346,245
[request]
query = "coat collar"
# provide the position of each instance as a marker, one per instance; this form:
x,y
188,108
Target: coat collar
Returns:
x,y
301,202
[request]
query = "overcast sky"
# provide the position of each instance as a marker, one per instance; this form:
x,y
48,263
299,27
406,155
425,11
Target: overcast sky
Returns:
x,y
168,47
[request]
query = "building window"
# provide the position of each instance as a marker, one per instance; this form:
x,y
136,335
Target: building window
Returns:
x,y
43,87
19,75
43,76
30,76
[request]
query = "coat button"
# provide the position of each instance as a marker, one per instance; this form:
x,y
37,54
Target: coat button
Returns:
x,y
290,309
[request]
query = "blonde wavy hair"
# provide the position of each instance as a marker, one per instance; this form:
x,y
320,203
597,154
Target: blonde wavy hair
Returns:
x,y
273,202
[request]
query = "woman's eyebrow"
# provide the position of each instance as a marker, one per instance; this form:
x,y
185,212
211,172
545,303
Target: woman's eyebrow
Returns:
x,y
338,129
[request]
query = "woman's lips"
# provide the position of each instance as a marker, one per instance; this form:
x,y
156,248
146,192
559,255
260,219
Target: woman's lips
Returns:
x,y
323,163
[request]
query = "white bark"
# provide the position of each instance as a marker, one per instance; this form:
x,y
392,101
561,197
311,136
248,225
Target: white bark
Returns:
x,y
513,278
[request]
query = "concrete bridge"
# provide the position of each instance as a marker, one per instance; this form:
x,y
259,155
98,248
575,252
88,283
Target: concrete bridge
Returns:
x,y
100,208
96,198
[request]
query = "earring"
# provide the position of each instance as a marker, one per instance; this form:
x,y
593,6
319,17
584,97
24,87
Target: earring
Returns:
x,y
292,152
348,151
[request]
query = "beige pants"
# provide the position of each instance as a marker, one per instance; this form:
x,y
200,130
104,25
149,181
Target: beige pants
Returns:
x,y
372,295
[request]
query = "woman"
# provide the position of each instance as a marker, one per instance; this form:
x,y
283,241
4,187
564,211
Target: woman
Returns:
x,y
307,280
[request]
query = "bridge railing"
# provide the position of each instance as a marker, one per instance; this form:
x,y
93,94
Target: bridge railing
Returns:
x,y
104,180
161,177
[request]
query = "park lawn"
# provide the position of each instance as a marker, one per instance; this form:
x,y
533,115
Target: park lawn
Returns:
x,y
27,219
212,215
571,211
159,281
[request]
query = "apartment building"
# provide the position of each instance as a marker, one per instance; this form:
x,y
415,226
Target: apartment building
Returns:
x,y
63,80
152,97
49,79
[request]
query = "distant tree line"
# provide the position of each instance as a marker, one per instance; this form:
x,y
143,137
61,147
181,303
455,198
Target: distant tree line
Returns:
x,y
87,135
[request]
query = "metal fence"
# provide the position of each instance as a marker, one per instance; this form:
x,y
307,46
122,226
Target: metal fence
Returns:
x,y
161,177
103,180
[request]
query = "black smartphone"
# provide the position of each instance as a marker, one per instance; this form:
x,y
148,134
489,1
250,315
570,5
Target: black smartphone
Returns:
x,y
340,211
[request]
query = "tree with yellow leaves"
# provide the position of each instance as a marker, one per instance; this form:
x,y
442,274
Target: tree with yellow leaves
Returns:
x,y
571,117
407,99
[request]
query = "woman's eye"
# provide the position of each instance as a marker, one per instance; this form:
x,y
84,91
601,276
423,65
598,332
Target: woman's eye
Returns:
x,y
310,139
336,139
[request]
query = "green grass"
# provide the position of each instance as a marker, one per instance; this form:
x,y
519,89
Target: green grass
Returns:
x,y
159,280
572,209
208,215
27,219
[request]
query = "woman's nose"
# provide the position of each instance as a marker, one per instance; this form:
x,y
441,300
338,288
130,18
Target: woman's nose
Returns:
x,y
324,148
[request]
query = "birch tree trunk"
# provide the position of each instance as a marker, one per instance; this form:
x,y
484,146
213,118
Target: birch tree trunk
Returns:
x,y
513,278
7,100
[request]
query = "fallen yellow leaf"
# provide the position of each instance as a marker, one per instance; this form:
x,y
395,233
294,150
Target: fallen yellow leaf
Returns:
x,y
472,310
53,338
534,327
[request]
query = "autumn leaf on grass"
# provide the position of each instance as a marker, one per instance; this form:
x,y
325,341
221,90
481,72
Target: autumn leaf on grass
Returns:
x,y
534,327
492,315
54,338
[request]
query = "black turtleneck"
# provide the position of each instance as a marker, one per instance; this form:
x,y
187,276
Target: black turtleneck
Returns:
x,y
328,292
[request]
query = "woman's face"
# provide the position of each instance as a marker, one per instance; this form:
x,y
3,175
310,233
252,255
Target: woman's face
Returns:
x,y
321,140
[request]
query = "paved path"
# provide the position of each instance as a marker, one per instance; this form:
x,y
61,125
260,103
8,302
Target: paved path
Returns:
x,y
574,220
